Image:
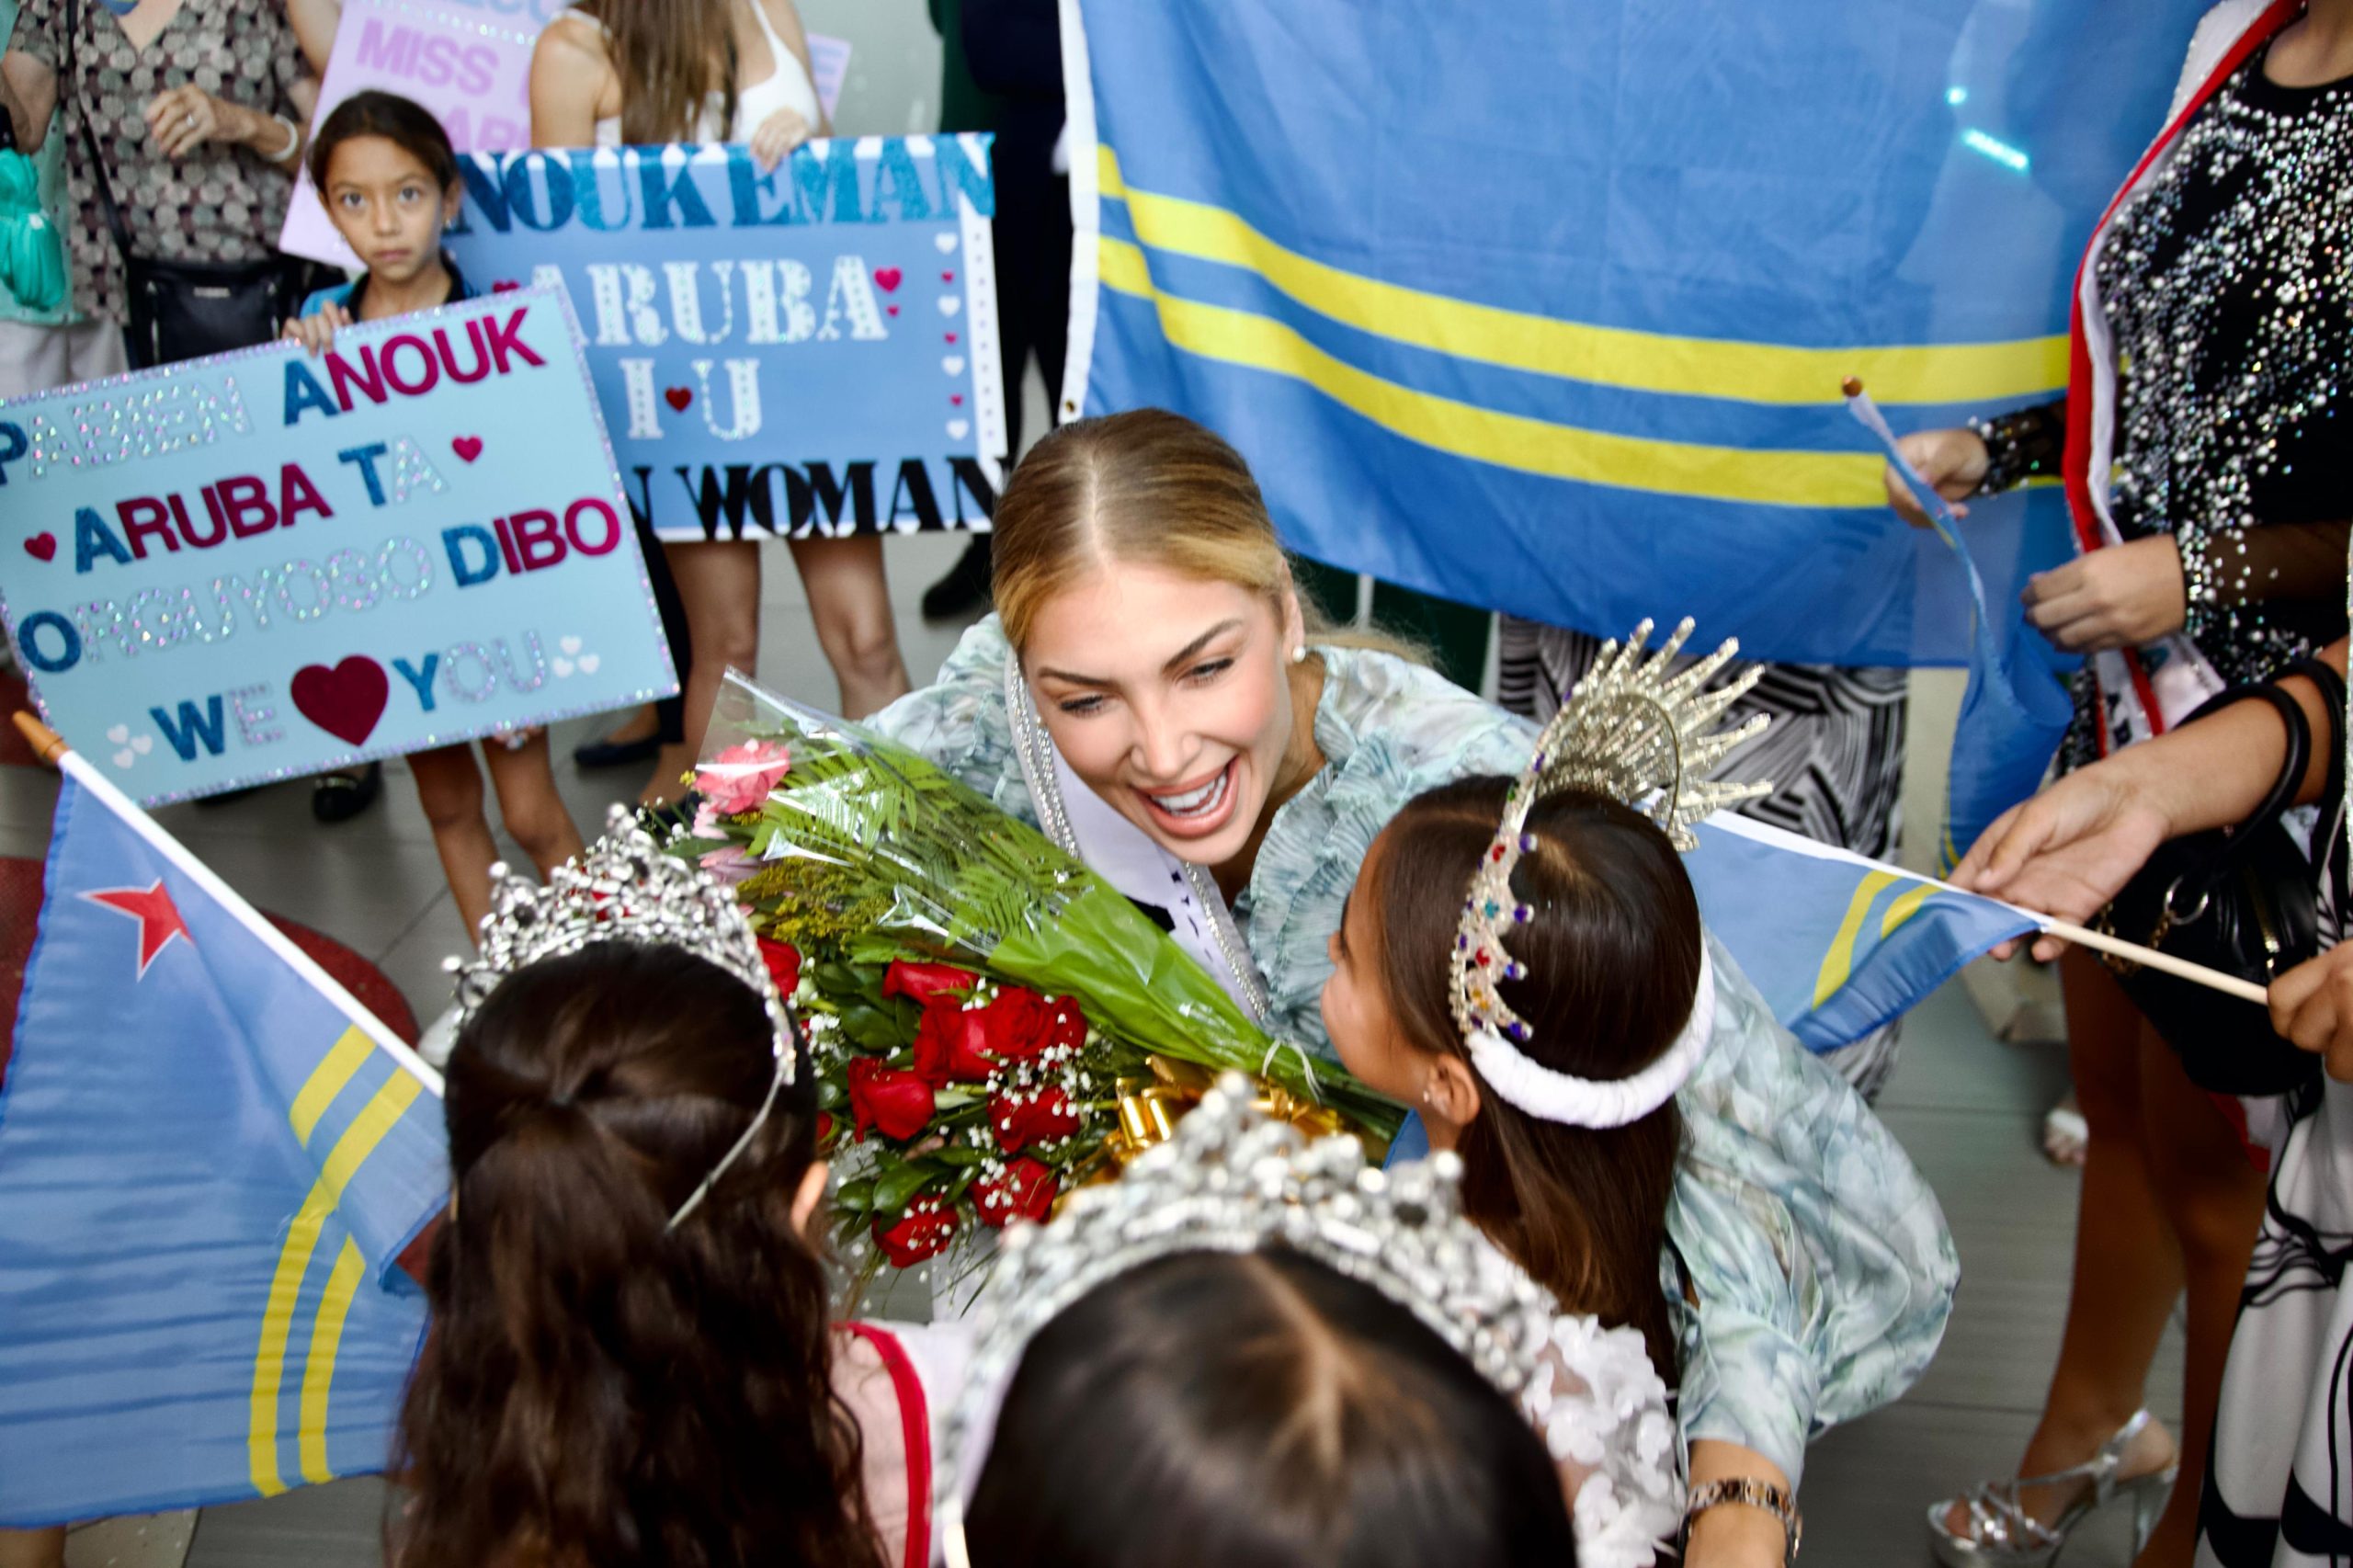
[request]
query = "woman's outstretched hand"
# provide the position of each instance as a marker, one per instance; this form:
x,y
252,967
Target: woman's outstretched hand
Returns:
x,y
2067,851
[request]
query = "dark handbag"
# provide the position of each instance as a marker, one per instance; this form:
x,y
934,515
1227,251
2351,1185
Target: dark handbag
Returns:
x,y
187,309
2243,900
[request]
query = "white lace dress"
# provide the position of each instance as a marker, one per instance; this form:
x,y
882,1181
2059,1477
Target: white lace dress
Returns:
x,y
1601,1408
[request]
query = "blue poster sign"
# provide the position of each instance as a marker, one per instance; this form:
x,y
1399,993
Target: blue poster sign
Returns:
x,y
807,351
259,565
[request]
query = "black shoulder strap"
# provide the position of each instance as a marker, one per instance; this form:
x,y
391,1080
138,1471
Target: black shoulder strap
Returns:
x,y
114,223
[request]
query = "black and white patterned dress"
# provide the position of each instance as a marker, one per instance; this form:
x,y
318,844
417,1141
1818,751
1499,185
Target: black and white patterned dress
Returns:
x,y
2279,1485
1833,752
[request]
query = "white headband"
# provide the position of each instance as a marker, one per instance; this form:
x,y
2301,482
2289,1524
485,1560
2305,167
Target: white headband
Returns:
x,y
1598,1102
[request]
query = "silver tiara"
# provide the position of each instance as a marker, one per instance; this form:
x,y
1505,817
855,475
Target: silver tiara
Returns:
x,y
1233,1179
1634,731
624,888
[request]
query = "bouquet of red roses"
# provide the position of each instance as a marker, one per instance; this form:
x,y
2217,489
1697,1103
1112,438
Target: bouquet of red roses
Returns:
x,y
955,1100
992,1023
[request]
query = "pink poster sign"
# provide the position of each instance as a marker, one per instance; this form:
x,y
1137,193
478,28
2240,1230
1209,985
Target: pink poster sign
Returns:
x,y
473,72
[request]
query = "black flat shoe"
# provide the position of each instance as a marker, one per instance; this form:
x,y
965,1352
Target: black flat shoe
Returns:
x,y
965,589
339,797
615,754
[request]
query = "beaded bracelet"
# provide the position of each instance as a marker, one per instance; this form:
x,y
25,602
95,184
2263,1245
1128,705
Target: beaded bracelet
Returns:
x,y
2009,459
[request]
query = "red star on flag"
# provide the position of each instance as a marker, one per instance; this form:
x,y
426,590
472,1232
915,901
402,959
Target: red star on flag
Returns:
x,y
159,918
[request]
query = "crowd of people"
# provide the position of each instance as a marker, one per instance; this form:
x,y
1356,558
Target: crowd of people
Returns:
x,y
1652,1246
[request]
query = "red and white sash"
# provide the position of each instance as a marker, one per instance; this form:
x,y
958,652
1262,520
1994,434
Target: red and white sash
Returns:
x,y
2143,691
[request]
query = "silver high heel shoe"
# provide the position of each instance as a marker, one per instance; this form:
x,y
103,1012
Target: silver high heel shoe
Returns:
x,y
2001,1534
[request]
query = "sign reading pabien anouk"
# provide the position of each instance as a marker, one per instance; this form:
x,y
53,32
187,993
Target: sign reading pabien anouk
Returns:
x,y
804,351
256,566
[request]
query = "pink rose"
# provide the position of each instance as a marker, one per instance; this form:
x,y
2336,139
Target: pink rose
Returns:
x,y
740,778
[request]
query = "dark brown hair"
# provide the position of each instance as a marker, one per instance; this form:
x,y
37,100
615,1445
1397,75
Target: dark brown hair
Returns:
x,y
661,50
1612,954
596,1388
403,122
1259,1411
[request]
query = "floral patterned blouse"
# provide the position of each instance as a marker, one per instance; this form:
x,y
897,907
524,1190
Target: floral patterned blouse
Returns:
x,y
1821,1264
219,203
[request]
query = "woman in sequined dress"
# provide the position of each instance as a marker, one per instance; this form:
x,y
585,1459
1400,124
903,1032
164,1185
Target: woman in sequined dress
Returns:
x,y
2279,1493
2207,462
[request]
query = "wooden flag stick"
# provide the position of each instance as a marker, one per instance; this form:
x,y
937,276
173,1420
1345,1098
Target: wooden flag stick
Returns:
x,y
47,743
2148,958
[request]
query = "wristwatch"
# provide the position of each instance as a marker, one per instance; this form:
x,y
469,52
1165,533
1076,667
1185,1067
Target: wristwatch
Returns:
x,y
1749,1491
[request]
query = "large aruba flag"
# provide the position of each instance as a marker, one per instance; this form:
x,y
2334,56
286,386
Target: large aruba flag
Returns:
x,y
210,1157
1545,307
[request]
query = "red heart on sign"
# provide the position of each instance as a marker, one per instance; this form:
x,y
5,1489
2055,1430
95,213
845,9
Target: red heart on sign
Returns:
x,y
947,277
951,338
505,285
678,398
892,309
886,279
41,547
468,448
956,398
344,701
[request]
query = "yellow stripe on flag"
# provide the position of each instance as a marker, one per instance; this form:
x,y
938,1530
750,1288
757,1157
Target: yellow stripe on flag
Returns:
x,y
1614,356
1839,962
350,1151
318,1371
1904,905
1507,440
328,1080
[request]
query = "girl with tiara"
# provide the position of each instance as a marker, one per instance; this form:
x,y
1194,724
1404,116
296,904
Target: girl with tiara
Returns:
x,y
1544,1023
631,1359
1252,1351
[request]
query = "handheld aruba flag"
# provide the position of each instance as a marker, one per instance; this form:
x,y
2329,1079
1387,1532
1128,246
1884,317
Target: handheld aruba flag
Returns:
x,y
1837,944
210,1157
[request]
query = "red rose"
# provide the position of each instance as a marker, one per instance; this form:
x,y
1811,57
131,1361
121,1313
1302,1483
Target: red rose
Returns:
x,y
896,1101
1014,1025
784,964
1035,1118
1065,1025
1025,1191
947,1044
825,1128
920,1233
925,980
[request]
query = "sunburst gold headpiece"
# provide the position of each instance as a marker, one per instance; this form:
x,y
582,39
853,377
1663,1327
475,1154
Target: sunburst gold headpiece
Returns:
x,y
1636,730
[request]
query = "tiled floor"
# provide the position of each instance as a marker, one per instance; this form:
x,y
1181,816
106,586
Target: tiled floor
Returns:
x,y
1966,1108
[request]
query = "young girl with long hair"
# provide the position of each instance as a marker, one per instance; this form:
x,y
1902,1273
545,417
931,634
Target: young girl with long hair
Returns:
x,y
608,72
631,1357
386,171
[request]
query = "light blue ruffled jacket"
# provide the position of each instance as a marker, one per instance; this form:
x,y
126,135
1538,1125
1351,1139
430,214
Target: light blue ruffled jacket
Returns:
x,y
1821,1262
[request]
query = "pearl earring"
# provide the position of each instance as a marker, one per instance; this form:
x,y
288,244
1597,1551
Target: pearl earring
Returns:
x,y
1299,654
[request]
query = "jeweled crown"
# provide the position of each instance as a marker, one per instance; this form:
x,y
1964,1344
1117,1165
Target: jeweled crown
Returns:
x,y
1632,731
1233,1179
623,888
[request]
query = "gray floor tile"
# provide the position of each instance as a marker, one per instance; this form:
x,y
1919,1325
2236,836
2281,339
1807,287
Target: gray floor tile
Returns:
x,y
1868,1487
339,1524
